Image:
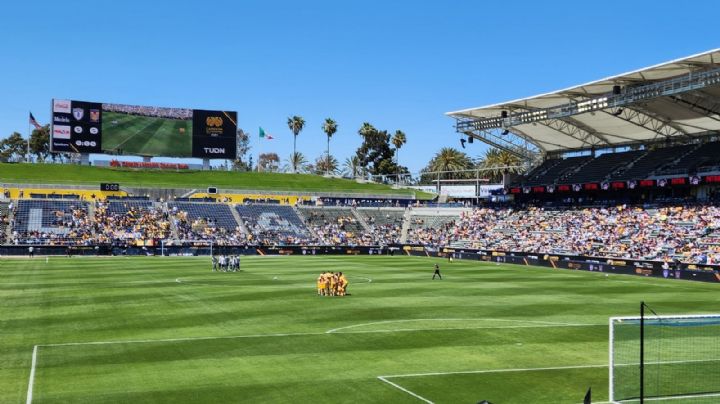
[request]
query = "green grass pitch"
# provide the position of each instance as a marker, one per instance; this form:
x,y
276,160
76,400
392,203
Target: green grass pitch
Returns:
x,y
146,136
167,330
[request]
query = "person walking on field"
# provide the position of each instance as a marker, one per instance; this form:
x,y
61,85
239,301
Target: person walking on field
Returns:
x,y
437,272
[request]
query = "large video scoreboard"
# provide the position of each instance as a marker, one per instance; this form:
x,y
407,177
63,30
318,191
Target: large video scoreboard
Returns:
x,y
92,127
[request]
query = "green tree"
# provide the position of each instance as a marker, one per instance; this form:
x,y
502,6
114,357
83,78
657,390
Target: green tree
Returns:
x,y
398,140
450,160
243,148
268,162
326,164
295,161
296,124
375,154
330,128
351,167
40,143
13,148
499,162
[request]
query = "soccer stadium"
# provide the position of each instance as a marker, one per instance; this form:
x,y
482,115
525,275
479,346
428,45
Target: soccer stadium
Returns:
x,y
147,256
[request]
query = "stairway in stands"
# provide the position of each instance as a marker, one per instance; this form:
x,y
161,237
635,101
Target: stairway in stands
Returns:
x,y
405,226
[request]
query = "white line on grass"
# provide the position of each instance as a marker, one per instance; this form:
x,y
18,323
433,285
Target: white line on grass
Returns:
x,y
497,327
300,334
668,398
545,323
397,386
506,370
32,375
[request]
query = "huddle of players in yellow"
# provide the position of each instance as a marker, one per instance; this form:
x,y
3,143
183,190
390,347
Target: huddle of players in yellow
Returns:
x,y
332,284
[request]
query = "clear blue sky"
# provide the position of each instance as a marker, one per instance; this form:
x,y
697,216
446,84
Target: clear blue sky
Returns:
x,y
396,64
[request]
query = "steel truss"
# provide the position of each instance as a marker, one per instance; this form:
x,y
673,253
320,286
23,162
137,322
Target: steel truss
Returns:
x,y
627,105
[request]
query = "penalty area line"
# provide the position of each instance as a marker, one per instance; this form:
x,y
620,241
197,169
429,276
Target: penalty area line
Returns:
x,y
399,387
31,381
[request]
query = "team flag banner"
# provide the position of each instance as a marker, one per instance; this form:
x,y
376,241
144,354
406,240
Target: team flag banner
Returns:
x,y
34,122
264,135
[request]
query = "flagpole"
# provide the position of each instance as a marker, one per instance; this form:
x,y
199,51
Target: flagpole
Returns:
x,y
27,159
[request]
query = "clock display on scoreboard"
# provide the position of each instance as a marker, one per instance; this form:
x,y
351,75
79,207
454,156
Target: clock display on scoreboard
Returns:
x,y
108,186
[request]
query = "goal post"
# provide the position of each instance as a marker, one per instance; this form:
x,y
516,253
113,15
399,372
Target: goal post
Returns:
x,y
670,358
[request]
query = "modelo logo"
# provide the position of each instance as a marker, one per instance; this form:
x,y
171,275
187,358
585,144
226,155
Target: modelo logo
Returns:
x,y
214,150
61,119
214,121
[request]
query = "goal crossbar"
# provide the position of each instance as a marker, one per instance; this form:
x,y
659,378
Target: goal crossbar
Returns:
x,y
653,320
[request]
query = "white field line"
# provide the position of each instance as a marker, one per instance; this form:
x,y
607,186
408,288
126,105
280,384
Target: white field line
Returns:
x,y
545,323
51,283
498,327
669,398
300,334
397,386
32,376
506,370
541,368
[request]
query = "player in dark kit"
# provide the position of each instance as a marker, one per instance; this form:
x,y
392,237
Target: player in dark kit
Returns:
x,y
437,272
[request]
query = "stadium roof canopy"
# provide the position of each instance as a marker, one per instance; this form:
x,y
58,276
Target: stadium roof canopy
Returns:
x,y
678,100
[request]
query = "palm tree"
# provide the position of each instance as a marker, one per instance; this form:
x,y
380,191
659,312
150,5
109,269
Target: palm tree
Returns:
x,y
294,161
398,141
500,162
326,164
366,129
352,167
296,125
449,159
329,127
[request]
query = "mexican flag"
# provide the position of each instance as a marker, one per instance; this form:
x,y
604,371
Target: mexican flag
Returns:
x,y
264,135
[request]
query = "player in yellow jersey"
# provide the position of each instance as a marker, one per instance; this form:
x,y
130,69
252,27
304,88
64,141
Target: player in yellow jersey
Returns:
x,y
342,284
321,284
333,284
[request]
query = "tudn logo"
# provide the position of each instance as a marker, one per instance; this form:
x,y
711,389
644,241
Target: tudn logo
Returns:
x,y
214,121
214,150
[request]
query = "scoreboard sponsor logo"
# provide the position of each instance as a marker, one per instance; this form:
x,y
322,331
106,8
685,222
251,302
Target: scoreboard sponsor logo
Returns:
x,y
214,150
214,125
61,106
61,132
78,113
61,119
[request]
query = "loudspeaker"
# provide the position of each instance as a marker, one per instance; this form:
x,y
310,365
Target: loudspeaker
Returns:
x,y
471,139
616,90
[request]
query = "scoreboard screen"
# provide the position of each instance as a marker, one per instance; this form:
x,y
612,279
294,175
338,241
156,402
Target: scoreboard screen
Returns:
x,y
92,127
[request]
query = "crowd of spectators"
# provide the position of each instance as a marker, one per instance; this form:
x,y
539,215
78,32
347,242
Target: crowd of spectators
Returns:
x,y
157,112
132,222
335,229
68,227
688,233
206,229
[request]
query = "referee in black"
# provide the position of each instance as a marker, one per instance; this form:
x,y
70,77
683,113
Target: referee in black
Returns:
x,y
437,272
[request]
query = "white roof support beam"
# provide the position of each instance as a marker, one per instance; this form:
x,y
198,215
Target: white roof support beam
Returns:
x,y
637,117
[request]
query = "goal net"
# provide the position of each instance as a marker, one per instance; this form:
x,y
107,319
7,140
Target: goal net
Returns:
x,y
676,357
